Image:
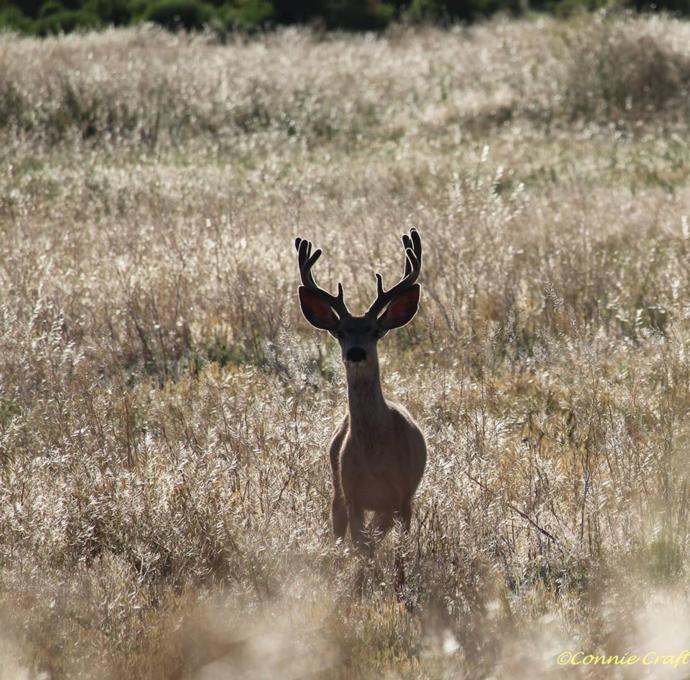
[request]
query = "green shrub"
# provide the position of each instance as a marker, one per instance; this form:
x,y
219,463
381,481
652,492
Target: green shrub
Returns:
x,y
116,12
358,15
137,9
51,7
65,21
66,15
12,19
29,8
566,8
249,14
459,10
290,12
673,6
176,14
426,10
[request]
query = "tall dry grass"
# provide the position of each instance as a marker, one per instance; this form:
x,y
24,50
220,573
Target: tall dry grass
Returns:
x,y
164,409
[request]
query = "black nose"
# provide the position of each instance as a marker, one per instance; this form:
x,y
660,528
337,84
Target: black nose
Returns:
x,y
356,354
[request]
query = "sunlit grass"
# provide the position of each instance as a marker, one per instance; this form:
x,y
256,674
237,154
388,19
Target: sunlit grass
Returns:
x,y
165,409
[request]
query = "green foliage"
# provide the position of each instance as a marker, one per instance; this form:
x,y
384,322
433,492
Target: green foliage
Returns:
x,y
176,14
673,6
65,21
137,9
115,12
248,14
11,18
358,15
459,10
51,7
29,8
564,8
290,12
42,18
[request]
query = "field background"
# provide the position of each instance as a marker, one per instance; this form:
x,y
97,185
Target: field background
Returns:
x,y
165,409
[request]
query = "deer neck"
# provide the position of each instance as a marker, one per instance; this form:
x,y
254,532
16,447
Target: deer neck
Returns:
x,y
366,404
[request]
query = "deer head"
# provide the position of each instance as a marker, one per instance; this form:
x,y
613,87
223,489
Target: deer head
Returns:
x,y
391,309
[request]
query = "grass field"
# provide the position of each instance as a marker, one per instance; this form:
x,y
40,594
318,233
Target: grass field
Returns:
x,y
165,408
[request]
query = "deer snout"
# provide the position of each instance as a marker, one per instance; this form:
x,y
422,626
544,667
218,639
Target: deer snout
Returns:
x,y
355,354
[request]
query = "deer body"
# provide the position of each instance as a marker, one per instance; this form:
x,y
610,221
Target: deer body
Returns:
x,y
377,453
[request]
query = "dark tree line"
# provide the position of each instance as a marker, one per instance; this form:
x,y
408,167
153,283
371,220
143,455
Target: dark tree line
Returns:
x,y
52,16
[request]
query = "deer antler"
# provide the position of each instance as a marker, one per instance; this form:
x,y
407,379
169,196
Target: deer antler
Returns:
x,y
306,261
412,245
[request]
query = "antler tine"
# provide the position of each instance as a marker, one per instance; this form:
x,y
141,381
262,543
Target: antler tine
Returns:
x,y
306,260
412,242
412,245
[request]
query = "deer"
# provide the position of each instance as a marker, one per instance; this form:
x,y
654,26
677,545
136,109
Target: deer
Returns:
x,y
377,452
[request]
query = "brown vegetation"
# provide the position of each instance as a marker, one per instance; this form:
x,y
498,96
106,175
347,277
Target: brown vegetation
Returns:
x,y
164,410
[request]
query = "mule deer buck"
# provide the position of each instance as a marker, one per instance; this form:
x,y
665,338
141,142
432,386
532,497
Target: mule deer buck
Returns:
x,y
377,453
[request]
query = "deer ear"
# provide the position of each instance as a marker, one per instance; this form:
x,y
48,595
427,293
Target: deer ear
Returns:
x,y
401,310
317,312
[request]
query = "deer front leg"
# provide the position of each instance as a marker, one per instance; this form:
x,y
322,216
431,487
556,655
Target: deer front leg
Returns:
x,y
379,527
339,515
355,517
405,515
338,506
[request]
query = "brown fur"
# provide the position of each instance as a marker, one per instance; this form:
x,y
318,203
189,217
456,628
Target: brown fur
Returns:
x,y
377,453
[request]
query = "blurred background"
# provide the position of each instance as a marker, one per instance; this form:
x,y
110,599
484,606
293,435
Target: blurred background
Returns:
x,y
42,18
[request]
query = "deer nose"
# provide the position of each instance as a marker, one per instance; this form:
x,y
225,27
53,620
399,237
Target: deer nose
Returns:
x,y
355,354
